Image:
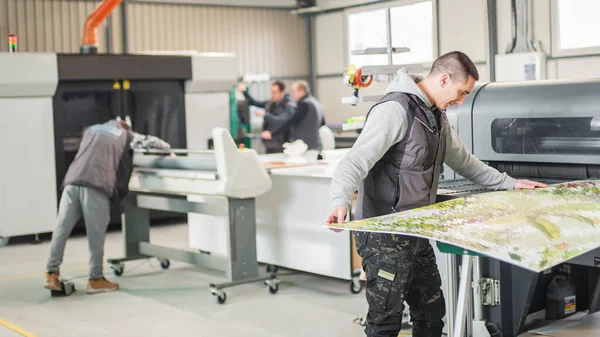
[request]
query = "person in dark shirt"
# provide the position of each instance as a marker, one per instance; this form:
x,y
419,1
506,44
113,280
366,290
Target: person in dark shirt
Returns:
x,y
99,173
278,110
305,122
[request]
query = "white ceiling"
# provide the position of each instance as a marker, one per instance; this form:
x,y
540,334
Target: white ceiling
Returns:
x,y
246,3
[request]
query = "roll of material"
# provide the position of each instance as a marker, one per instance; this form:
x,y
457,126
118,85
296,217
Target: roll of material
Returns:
x,y
196,163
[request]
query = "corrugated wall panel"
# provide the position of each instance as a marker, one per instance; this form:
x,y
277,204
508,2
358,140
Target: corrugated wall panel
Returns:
x,y
47,25
264,40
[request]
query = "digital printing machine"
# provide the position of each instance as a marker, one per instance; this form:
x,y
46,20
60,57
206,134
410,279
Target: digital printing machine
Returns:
x,y
223,182
47,99
546,131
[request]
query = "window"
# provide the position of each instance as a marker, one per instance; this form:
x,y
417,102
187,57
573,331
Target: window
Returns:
x,y
420,41
407,24
575,27
368,30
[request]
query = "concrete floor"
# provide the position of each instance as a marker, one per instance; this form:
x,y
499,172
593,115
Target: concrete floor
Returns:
x,y
175,302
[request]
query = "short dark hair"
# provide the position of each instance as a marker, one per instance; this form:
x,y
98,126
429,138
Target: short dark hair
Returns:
x,y
280,85
457,64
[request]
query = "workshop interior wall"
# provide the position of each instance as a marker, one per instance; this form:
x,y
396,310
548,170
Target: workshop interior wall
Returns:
x,y
265,40
462,26
48,25
575,66
331,54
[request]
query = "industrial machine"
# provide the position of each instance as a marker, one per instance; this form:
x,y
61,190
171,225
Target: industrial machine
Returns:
x,y
170,95
147,90
48,99
547,131
28,198
223,183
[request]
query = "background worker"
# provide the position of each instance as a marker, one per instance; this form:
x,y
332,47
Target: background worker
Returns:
x,y
305,122
278,110
99,173
396,160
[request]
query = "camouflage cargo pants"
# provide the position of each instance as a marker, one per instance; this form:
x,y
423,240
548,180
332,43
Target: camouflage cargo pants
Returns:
x,y
401,268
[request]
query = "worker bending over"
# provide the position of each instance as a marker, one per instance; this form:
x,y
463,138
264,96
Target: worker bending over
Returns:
x,y
396,160
278,110
99,173
305,122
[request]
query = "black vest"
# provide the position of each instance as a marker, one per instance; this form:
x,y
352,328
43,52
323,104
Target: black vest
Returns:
x,y
407,175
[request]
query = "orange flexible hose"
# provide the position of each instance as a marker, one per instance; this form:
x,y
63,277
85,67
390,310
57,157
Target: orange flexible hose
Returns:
x,y
90,36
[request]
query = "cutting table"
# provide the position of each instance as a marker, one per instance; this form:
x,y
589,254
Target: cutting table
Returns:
x,y
289,220
222,183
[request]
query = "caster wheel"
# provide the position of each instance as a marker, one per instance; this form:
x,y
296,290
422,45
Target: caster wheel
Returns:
x,y
164,263
220,294
222,299
118,269
274,289
356,286
272,268
4,241
494,330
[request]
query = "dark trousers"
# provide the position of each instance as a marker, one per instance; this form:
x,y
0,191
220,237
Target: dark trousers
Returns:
x,y
401,268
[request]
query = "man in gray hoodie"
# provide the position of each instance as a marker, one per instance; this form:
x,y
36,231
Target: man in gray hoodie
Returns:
x,y
396,160
99,173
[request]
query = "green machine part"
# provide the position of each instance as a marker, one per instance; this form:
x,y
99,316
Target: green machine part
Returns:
x,y
451,249
236,126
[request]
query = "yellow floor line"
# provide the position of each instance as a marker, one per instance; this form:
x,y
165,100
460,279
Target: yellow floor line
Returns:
x,y
41,274
16,329
18,277
403,334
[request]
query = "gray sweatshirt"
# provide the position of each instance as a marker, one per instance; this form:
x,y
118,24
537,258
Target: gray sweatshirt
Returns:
x,y
386,126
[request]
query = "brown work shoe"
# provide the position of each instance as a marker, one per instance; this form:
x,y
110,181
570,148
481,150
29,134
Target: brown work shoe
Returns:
x,y
101,285
52,282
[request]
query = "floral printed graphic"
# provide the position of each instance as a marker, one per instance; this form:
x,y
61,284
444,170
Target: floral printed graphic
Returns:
x,y
533,229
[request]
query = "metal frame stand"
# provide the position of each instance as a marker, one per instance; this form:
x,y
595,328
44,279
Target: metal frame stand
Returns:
x,y
467,318
241,267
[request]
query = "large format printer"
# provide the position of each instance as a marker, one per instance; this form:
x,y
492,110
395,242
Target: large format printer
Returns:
x,y
47,99
547,131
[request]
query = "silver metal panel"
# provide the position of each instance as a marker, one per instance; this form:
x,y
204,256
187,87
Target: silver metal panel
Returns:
x,y
28,184
194,162
28,75
216,206
590,259
207,261
540,99
147,173
464,125
203,113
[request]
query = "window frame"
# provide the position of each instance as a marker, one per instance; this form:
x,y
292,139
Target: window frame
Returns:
x,y
557,51
388,5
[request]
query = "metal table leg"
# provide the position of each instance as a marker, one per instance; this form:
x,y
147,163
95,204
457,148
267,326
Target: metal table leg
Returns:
x,y
463,289
451,278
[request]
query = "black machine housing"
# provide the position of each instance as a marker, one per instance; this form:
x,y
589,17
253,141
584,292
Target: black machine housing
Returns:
x,y
94,88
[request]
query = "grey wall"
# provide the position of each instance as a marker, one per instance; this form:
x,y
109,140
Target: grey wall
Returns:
x,y
265,40
462,26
